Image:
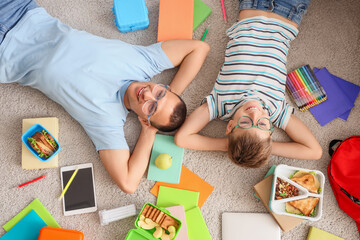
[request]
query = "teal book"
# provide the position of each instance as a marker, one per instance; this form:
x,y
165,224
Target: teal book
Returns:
x,y
28,228
201,12
165,144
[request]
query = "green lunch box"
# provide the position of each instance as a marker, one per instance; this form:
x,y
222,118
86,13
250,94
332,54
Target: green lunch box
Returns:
x,y
144,234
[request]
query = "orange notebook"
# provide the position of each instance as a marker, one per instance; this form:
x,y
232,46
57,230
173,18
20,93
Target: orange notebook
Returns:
x,y
175,19
188,181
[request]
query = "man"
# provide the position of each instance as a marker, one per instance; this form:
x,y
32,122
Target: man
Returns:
x,y
98,81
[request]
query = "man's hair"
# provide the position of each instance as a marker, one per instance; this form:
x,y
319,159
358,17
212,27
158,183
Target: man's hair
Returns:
x,y
248,150
177,118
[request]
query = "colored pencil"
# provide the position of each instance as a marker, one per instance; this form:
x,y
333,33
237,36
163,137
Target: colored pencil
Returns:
x,y
203,37
68,183
223,9
34,180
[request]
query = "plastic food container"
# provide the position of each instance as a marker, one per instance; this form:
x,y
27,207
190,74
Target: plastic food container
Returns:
x,y
28,134
143,234
53,233
130,15
285,172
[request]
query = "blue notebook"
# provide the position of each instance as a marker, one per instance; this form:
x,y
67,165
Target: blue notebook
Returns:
x,y
28,228
351,90
338,103
165,144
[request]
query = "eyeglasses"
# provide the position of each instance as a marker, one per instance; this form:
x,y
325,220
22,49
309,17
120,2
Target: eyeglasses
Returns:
x,y
246,122
150,106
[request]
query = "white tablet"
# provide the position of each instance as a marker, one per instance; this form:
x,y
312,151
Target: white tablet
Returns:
x,y
80,196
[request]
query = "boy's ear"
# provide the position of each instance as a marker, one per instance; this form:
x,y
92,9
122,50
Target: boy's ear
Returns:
x,y
229,127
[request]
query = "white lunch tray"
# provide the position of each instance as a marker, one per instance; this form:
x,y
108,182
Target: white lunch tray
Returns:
x,y
278,206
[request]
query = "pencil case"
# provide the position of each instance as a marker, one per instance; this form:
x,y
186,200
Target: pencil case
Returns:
x,y
130,15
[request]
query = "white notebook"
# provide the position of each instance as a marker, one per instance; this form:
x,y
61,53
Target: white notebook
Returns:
x,y
245,226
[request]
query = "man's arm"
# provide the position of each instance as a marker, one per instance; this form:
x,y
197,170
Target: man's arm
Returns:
x,y
304,145
126,170
187,136
189,55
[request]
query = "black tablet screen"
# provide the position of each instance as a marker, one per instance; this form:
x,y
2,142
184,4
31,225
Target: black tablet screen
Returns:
x,y
80,193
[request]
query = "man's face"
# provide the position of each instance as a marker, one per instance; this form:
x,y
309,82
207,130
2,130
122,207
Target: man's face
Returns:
x,y
140,92
253,110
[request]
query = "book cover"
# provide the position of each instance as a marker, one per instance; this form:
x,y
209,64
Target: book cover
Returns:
x,y
201,12
188,181
28,228
175,19
196,225
39,208
178,211
165,144
318,234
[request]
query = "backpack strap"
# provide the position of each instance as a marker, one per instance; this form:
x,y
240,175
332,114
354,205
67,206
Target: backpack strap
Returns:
x,y
331,145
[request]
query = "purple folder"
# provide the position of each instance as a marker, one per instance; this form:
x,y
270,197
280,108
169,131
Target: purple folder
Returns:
x,y
340,99
351,90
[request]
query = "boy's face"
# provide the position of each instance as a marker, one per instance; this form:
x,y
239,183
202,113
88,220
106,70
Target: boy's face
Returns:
x,y
140,92
254,110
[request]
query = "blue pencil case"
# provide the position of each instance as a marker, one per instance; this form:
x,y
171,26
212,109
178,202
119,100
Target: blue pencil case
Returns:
x,y
130,15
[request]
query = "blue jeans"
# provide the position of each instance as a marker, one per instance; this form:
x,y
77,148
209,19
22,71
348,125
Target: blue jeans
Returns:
x,y
11,12
293,10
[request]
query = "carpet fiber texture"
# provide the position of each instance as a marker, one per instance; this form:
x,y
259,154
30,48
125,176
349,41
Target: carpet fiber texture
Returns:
x,y
329,37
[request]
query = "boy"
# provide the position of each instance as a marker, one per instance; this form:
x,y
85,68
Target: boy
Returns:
x,y
250,90
98,81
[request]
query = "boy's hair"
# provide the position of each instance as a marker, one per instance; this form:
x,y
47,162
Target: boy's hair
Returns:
x,y
177,118
248,150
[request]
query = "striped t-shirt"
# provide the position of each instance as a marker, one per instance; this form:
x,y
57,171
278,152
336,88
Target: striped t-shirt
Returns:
x,y
254,69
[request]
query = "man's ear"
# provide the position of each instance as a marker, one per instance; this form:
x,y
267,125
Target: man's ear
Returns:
x,y
143,121
229,127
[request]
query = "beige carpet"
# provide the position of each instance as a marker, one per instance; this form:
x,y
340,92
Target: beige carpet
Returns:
x,y
329,36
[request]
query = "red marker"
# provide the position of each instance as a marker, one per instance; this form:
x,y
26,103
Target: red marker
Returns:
x,y
34,180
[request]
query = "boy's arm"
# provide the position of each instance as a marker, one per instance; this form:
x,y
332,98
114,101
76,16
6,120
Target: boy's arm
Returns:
x,y
189,55
304,145
187,136
127,170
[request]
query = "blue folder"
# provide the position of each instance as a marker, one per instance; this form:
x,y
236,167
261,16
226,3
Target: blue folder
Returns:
x,y
341,96
28,228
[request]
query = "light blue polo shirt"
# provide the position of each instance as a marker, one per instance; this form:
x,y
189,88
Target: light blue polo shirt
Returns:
x,y
86,74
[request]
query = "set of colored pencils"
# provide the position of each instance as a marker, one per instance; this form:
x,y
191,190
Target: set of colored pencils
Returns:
x,y
304,88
